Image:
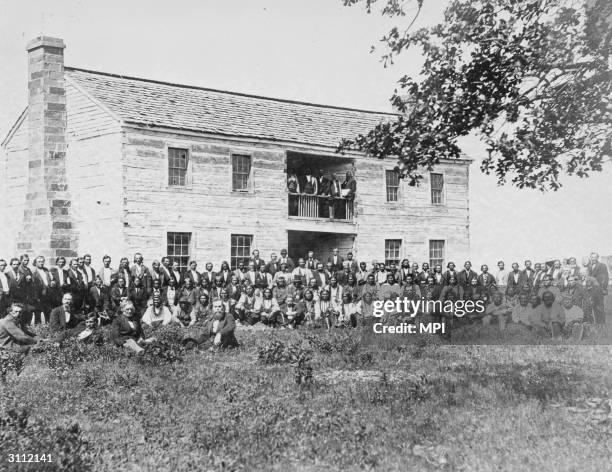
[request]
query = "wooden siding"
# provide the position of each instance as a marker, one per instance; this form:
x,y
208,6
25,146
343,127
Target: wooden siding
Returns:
x,y
413,218
207,208
86,117
14,182
93,171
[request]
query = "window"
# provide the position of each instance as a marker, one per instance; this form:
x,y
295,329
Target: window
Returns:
x,y
392,184
241,249
437,188
241,172
178,248
392,251
177,166
436,253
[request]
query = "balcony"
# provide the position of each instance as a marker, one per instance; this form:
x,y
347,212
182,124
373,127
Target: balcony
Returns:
x,y
320,208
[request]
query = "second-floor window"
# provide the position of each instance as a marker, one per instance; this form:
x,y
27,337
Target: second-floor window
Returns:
x,y
178,159
241,172
392,185
437,189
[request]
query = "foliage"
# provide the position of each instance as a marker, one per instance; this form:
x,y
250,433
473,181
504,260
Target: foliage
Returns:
x,y
10,361
532,78
344,409
19,433
161,353
278,352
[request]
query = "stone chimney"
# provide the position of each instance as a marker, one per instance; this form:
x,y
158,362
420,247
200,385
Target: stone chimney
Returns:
x,y
47,226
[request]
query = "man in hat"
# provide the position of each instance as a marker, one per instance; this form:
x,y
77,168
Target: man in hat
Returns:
x,y
296,290
302,271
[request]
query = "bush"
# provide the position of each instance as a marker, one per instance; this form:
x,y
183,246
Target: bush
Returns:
x,y
277,352
161,353
68,450
10,361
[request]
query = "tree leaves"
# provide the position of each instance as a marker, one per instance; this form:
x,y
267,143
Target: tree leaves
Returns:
x,y
532,78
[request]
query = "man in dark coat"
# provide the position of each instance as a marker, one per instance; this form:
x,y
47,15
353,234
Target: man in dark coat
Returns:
x,y
599,271
65,317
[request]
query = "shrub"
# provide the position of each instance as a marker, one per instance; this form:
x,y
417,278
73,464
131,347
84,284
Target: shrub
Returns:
x,y
10,361
277,352
68,450
161,353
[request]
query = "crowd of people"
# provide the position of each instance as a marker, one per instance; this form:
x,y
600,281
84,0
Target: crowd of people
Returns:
x,y
75,299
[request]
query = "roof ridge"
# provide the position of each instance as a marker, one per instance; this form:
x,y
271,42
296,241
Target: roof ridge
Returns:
x,y
228,92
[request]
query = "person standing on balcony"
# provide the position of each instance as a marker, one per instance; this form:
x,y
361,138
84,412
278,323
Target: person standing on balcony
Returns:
x,y
310,186
336,206
349,186
293,187
324,185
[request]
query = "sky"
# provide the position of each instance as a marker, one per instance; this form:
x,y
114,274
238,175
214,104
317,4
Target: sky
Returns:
x,y
310,50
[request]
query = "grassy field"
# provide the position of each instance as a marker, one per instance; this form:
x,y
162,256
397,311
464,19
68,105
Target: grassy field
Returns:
x,y
309,401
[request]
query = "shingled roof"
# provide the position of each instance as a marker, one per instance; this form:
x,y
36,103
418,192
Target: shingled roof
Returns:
x,y
167,105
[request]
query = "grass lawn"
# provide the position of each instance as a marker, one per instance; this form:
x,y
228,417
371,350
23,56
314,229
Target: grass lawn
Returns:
x,y
309,401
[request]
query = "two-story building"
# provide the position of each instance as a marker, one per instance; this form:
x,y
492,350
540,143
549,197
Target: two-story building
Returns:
x,y
101,163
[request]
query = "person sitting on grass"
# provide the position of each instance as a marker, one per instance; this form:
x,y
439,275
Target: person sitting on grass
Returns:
x,y
366,310
14,333
497,311
347,312
520,311
126,330
574,317
326,310
202,309
548,316
220,326
64,317
158,314
268,309
185,312
247,306
292,313
309,309
87,332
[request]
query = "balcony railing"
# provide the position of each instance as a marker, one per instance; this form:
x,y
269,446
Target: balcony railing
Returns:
x,y
319,207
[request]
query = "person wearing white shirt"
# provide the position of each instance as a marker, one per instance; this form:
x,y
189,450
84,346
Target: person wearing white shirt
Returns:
x,y
106,273
4,289
501,276
347,312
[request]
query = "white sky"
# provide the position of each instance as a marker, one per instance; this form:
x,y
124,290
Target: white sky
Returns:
x,y
314,50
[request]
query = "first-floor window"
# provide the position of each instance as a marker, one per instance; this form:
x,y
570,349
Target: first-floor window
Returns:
x,y
393,248
178,248
241,249
436,252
